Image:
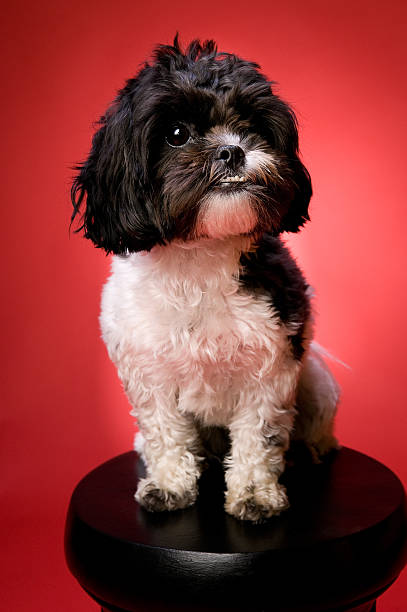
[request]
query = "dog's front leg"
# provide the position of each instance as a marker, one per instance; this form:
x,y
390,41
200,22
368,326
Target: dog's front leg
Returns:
x,y
260,434
170,449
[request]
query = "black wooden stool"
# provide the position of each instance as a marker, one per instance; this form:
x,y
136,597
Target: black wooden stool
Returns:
x,y
340,545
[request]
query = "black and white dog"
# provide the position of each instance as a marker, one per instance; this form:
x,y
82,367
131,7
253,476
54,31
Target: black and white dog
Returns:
x,y
193,175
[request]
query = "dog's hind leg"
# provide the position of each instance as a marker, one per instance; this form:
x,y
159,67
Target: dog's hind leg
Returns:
x,y
317,398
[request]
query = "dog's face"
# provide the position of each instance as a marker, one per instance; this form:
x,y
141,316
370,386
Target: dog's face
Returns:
x,y
196,145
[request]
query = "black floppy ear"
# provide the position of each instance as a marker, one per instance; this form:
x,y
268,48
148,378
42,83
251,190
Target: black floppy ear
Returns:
x,y
297,214
110,188
283,125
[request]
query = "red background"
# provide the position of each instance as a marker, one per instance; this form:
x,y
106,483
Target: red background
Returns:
x,y
342,65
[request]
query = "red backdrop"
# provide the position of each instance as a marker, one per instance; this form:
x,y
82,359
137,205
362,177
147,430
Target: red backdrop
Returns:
x,y
342,65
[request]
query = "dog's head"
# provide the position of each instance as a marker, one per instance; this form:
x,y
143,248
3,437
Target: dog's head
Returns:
x,y
196,145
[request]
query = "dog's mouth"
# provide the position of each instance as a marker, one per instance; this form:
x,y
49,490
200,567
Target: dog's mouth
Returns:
x,y
234,179
233,182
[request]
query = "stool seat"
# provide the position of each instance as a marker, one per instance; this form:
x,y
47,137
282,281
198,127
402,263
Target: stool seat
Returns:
x,y
341,543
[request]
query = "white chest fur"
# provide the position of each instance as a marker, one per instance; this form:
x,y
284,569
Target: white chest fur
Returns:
x,y
178,317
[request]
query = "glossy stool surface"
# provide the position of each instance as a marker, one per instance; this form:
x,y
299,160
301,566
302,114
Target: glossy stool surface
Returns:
x,y
341,543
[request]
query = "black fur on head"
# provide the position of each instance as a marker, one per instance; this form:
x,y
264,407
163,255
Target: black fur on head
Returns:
x,y
192,128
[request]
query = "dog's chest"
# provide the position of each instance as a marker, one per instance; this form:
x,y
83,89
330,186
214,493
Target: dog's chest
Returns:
x,y
191,317
218,326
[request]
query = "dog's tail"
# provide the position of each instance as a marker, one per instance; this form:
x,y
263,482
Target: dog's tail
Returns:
x,y
321,350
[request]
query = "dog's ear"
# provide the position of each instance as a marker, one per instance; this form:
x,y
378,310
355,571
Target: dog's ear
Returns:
x,y
111,187
282,133
297,214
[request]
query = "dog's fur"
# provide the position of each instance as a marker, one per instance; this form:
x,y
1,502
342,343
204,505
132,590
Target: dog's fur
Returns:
x,y
193,175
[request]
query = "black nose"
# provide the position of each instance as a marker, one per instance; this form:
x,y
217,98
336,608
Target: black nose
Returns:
x,y
232,155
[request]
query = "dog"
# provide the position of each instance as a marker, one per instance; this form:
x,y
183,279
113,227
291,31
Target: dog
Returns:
x,y
193,175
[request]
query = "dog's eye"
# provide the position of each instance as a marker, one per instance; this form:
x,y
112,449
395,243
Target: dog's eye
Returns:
x,y
177,136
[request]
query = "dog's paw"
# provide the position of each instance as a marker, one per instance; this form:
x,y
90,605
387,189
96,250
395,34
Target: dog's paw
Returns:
x,y
257,504
156,499
322,447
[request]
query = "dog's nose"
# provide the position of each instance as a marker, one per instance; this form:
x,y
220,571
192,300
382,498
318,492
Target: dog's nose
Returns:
x,y
232,155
